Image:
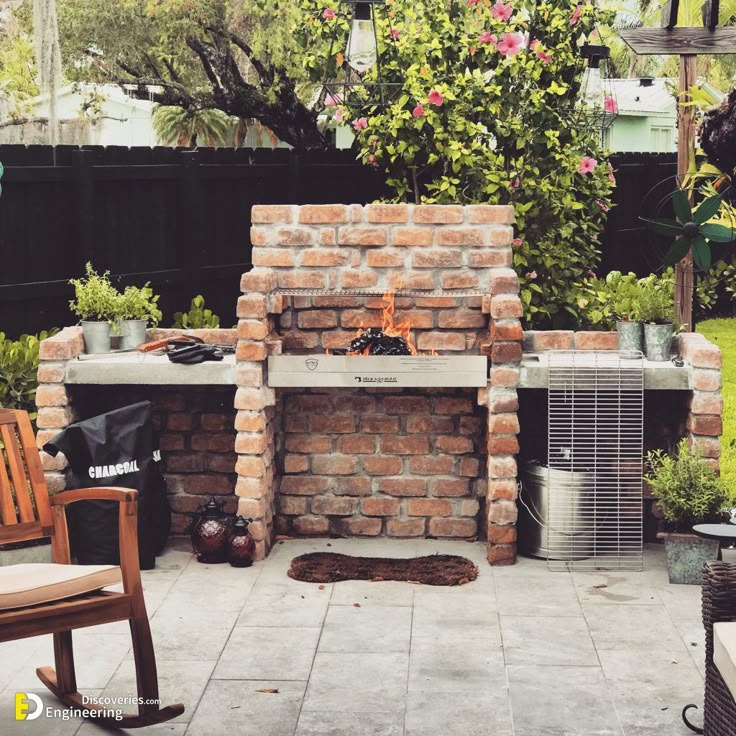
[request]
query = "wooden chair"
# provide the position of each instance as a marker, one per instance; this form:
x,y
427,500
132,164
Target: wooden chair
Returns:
x,y
25,517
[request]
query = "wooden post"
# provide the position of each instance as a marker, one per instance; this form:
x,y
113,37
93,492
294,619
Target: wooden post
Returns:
x,y
685,144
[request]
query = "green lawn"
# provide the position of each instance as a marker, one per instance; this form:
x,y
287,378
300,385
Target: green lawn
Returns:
x,y
722,332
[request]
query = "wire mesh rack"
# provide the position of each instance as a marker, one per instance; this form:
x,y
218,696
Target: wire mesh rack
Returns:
x,y
595,451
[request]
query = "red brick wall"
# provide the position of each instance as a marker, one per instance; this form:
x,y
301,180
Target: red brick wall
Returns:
x,y
372,462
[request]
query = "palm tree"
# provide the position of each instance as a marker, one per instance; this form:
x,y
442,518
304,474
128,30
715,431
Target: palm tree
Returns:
x,y
177,126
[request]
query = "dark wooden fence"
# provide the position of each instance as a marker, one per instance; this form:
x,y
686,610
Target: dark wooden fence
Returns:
x,y
180,219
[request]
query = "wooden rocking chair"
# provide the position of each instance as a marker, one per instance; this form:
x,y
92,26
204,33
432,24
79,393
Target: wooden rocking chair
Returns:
x,y
59,597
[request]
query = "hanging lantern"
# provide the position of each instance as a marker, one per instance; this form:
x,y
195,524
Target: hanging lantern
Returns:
x,y
354,70
595,106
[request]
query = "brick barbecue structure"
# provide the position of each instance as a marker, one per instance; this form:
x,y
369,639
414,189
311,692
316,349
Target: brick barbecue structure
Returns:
x,y
405,462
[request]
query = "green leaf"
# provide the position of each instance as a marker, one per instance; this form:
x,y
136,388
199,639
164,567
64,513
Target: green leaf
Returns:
x,y
664,227
707,209
701,253
682,206
677,252
718,233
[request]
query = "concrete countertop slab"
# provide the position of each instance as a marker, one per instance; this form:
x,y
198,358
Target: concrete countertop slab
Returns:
x,y
149,370
658,376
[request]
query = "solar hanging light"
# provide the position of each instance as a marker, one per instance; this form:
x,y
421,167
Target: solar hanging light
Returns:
x,y
353,71
594,107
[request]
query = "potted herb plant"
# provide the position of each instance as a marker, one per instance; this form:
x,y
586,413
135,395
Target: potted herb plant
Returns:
x,y
137,309
96,304
688,492
657,312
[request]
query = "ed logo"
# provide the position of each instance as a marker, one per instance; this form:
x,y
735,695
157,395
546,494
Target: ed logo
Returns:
x,y
23,703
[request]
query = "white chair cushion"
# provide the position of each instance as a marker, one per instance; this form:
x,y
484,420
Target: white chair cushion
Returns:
x,y
724,652
33,583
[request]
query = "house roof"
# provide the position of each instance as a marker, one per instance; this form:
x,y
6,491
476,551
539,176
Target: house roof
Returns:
x,y
111,92
635,98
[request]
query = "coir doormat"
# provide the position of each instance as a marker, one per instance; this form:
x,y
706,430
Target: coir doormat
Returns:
x,y
331,567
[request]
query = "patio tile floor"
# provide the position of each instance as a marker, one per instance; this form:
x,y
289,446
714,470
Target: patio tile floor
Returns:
x,y
520,652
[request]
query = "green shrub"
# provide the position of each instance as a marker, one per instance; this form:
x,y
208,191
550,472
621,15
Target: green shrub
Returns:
x,y
656,305
474,122
95,297
18,369
197,317
687,489
139,303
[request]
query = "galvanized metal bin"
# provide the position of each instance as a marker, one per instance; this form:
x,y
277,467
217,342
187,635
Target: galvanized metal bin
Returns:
x,y
550,493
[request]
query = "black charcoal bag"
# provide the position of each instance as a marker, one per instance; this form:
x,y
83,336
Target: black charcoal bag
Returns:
x,y
118,449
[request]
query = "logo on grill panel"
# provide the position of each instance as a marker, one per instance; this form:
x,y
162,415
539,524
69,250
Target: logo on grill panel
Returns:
x,y
311,363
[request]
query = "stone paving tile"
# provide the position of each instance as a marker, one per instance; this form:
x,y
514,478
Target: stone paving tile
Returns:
x,y
450,617
649,690
648,628
458,714
550,593
170,728
366,629
360,681
547,640
340,723
380,593
268,653
621,588
278,605
471,666
178,681
561,701
230,707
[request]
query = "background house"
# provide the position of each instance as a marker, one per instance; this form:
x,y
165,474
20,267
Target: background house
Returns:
x,y
647,115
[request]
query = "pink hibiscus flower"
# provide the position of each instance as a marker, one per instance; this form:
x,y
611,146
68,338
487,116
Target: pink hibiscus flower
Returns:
x,y
602,205
395,34
328,13
531,275
339,114
590,273
575,17
542,55
515,184
501,12
487,37
510,44
418,111
360,123
372,160
473,2
610,105
587,165
435,98
517,242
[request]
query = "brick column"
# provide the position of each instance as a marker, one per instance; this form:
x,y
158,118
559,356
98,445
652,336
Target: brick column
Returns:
x,y
704,422
52,399
503,423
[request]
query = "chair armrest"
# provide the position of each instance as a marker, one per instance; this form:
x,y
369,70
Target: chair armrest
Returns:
x,y
121,495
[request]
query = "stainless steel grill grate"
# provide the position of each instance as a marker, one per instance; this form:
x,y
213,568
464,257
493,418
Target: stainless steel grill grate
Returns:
x,y
380,292
595,449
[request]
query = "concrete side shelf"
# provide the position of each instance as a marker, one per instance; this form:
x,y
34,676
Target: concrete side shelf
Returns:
x,y
149,370
657,376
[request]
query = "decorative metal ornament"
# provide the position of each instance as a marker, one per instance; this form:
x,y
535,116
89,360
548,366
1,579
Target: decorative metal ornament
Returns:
x,y
210,532
241,546
595,106
353,69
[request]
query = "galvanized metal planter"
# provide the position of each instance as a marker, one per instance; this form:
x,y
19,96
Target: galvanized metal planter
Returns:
x,y
686,556
96,337
630,336
132,333
658,341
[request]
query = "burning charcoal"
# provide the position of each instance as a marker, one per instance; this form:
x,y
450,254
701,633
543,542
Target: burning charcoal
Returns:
x,y
376,342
